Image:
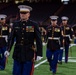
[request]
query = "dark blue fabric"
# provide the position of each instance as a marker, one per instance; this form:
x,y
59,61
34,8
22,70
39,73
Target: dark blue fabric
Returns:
x,y
66,53
75,41
52,57
60,56
2,58
22,68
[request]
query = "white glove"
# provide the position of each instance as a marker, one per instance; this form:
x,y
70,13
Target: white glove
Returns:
x,y
61,48
71,40
38,58
6,53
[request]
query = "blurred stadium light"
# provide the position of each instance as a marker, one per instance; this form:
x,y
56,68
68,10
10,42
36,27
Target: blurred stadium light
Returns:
x,y
65,1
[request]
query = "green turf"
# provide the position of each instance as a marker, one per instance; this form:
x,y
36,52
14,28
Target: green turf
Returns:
x,y
72,51
64,69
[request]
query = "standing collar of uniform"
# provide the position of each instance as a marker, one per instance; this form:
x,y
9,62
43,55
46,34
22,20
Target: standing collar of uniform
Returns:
x,y
2,24
65,24
24,20
54,25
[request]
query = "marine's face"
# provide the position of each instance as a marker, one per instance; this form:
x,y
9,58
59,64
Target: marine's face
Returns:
x,y
54,22
25,16
3,21
64,22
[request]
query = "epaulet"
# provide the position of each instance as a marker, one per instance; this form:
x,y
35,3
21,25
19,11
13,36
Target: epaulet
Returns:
x,y
16,21
32,21
7,24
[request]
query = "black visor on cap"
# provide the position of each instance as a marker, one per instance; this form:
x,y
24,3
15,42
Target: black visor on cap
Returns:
x,y
23,12
2,18
54,19
64,20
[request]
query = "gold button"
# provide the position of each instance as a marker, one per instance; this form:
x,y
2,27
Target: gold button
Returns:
x,y
22,33
22,38
16,30
23,23
23,28
21,41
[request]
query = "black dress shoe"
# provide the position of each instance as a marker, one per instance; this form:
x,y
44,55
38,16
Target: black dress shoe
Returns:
x,y
50,69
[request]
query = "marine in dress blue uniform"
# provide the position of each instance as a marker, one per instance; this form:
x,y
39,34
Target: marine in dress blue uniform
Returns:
x,y
67,38
4,31
53,43
25,31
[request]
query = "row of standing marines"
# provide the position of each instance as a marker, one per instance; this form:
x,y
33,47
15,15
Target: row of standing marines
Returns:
x,y
25,32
